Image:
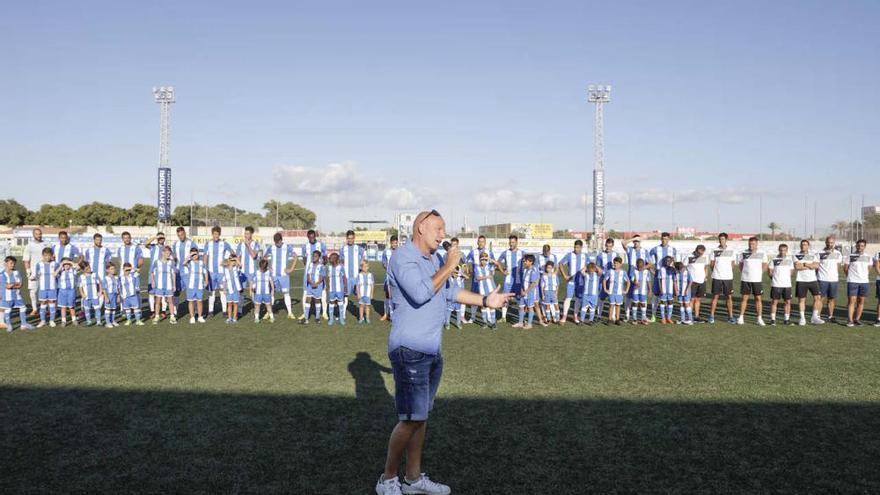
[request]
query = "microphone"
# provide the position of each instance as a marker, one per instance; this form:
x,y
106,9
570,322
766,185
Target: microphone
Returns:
x,y
446,245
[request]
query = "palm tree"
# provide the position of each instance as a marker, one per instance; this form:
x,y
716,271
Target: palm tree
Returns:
x,y
840,226
773,226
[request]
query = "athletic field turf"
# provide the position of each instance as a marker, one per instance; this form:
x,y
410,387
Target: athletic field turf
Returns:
x,y
285,408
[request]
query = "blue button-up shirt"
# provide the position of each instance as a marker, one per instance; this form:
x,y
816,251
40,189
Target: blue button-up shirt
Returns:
x,y
419,311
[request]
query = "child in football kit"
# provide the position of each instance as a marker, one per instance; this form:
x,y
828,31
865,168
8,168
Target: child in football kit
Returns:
x,y
549,287
263,291
528,300
639,290
48,293
11,286
110,283
455,280
230,285
666,274
337,285
616,284
314,287
92,293
365,283
130,291
590,296
65,273
485,284
683,282
195,278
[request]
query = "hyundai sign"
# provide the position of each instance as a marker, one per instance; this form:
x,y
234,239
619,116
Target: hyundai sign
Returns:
x,y
164,206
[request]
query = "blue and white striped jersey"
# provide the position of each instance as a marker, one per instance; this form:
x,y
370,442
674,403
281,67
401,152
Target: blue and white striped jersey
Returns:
x,y
90,285
67,278
132,254
473,258
98,257
641,280
549,283
666,279
248,262
531,276
45,272
315,275
10,278
541,261
216,253
682,280
487,285
336,278
263,283
163,275
351,257
616,281
308,249
181,252
511,260
633,255
231,281
155,254
194,274
66,251
110,284
129,285
592,284
386,258
574,263
279,258
605,260
365,283
456,281
659,253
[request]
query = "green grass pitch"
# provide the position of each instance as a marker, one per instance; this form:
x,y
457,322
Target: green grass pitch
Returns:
x,y
286,408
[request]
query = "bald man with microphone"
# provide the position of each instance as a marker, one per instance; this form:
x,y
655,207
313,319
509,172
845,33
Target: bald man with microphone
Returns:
x,y
420,296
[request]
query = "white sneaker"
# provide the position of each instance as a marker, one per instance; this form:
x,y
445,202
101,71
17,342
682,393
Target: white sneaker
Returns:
x,y
424,486
761,322
802,322
388,487
740,321
192,320
815,320
201,319
52,324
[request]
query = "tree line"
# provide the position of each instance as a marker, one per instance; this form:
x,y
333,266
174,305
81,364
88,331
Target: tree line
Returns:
x,y
286,215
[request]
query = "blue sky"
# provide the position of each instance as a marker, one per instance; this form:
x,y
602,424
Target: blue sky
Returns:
x,y
362,109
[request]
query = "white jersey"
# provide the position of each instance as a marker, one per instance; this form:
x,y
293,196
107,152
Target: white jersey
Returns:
x,y
752,265
807,275
859,268
696,266
33,253
780,271
829,265
724,259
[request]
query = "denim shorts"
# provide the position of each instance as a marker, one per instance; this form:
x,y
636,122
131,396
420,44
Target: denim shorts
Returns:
x,y
854,289
416,380
828,289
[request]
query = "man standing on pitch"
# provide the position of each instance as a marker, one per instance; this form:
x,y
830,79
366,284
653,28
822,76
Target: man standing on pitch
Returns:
x,y
721,262
33,254
420,297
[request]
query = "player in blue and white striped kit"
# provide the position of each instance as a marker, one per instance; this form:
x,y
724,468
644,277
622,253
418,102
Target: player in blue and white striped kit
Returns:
x,y
132,254
549,289
351,256
217,251
154,251
664,281
314,245
91,292
64,249
616,284
66,275
365,285
314,286
455,280
182,248
130,290
605,262
48,293
262,289
683,281
473,260
164,277
386,259
337,288
10,283
110,286
634,253
510,263
590,294
280,255
248,252
573,266
656,257
485,280
97,255
195,279
639,290
530,299
230,286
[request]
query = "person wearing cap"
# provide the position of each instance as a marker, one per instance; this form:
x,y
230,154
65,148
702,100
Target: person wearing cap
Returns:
x,y
420,296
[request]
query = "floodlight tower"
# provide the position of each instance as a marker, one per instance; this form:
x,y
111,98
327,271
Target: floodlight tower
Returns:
x,y
164,96
599,95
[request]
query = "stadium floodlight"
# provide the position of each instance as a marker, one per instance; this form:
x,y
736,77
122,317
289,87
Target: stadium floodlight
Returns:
x,y
164,96
599,94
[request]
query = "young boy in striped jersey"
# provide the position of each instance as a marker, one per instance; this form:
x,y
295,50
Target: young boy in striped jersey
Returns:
x,y
657,260
262,290
455,280
529,300
590,295
313,245
163,281
10,280
314,287
616,284
386,259
683,283
485,280
110,284
66,275
666,282
365,283
216,253
195,279
248,252
634,253
639,290
230,286
91,292
337,288
279,254
130,289
48,293
549,288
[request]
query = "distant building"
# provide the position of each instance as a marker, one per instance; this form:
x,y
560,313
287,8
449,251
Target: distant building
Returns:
x,y
870,211
524,230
